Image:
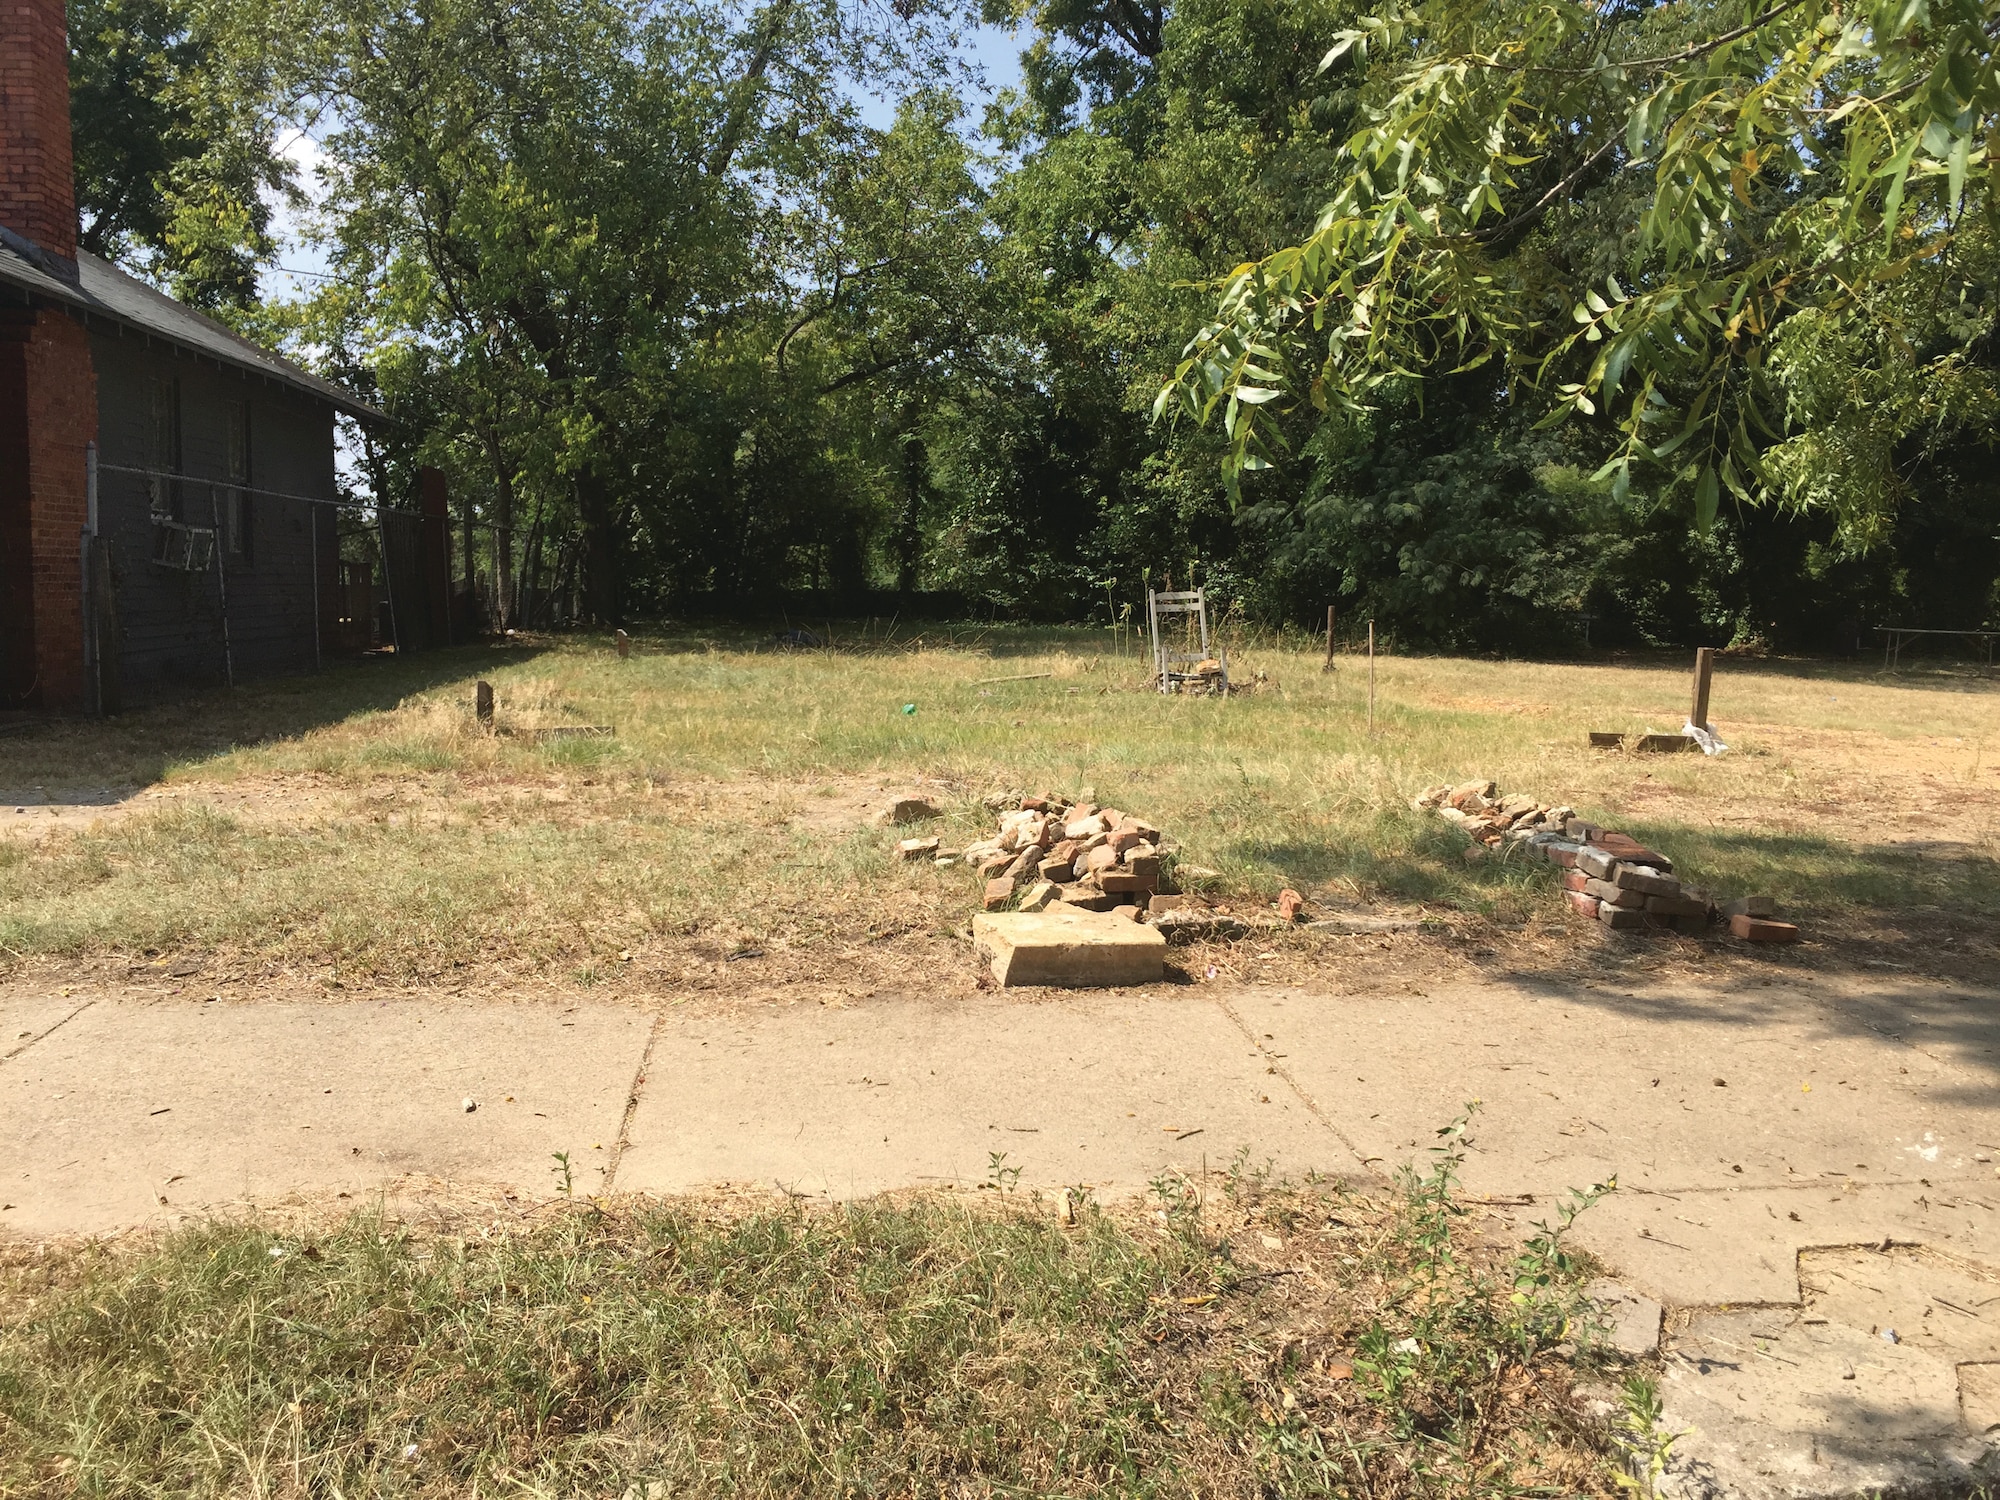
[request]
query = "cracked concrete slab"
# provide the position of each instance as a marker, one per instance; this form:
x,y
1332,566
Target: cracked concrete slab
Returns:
x,y
136,1111
1739,1132
1875,1382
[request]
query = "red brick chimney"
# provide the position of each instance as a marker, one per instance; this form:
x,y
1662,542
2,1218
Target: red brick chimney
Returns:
x,y
37,177
48,383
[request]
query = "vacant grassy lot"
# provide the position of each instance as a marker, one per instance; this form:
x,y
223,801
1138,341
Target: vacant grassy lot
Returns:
x,y
361,824
1257,1340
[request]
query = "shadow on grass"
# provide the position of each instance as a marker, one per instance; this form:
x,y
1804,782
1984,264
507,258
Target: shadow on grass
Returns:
x,y
137,748
1813,875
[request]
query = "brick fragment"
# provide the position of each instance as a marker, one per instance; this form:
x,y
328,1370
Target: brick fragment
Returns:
x,y
1677,906
1596,862
1620,918
999,892
1290,905
1040,894
1612,895
1763,930
1124,882
1146,867
1586,904
1575,880
1564,854
1060,870
1646,882
1582,830
917,848
1629,851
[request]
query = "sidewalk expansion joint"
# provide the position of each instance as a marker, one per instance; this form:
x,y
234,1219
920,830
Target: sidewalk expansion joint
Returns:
x,y
16,1052
632,1102
1274,1065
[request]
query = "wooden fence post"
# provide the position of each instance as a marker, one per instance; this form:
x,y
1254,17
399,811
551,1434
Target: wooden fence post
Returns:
x,y
1704,666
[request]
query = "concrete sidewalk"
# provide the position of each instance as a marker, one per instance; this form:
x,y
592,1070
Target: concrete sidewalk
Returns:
x,y
1743,1129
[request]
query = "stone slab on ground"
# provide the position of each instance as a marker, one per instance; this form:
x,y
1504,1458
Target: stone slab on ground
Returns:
x,y
1105,1089
1067,947
139,1111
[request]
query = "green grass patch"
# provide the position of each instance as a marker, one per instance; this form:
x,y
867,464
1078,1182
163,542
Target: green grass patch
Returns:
x,y
885,1348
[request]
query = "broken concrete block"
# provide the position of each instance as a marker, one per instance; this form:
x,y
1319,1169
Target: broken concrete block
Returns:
x,y
1040,894
1750,906
1620,918
1763,930
1612,895
1630,1321
1646,882
1069,948
999,892
917,848
906,810
1126,913
1290,905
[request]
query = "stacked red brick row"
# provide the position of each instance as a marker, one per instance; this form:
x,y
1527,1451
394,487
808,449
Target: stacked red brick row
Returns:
x,y
1606,875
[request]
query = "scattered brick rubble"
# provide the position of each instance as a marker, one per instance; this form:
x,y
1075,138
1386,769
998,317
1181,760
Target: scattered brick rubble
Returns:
x,y
1606,875
1047,851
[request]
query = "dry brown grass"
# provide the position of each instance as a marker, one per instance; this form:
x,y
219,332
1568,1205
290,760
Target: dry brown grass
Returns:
x,y
361,826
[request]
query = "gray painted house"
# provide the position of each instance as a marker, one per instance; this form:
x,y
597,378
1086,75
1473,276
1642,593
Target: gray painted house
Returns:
x,y
166,488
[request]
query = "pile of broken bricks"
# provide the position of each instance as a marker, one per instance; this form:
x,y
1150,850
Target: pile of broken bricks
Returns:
x,y
1606,875
1047,849
1048,853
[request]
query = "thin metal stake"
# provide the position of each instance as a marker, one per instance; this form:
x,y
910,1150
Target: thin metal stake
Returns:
x,y
221,584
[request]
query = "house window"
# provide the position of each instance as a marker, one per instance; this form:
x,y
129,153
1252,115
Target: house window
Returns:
x,y
236,501
163,449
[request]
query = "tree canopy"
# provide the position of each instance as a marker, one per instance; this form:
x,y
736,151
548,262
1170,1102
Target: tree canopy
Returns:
x,y
1478,318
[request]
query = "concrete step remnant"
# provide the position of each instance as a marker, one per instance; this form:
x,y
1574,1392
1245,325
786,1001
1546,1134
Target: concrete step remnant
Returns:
x,y
1068,947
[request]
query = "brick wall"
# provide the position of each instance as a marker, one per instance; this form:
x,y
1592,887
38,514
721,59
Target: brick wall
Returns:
x,y
48,413
37,189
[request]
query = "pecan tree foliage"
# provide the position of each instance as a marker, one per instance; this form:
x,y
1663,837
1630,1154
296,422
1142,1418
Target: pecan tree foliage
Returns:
x,y
1792,289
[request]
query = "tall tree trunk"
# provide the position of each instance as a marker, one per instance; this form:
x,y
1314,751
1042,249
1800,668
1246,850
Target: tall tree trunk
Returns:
x,y
910,531
600,552
506,607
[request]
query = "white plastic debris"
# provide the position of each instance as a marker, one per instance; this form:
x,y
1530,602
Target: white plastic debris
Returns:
x,y
468,1104
1703,737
